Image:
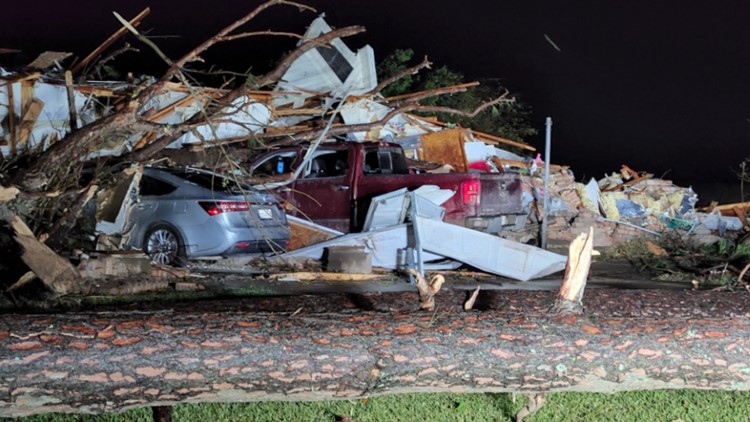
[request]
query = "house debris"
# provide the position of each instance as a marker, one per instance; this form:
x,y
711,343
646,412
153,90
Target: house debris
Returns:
x,y
331,83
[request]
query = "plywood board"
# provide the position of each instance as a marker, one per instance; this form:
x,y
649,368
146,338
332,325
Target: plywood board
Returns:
x,y
446,146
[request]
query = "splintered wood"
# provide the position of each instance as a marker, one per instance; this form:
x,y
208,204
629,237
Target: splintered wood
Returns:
x,y
427,290
576,274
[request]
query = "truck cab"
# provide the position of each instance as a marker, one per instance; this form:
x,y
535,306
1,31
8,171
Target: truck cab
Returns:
x,y
339,181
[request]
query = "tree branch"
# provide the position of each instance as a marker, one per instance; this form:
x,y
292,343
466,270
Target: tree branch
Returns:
x,y
400,75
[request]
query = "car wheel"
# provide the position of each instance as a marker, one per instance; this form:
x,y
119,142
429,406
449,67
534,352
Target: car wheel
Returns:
x,y
164,246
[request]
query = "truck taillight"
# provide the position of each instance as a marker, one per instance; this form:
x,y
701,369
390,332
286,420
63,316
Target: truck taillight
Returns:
x,y
218,207
470,192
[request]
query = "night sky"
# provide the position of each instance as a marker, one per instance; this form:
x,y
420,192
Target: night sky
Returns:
x,y
659,86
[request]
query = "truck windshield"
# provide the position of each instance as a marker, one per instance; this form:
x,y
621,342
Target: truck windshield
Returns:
x,y
385,160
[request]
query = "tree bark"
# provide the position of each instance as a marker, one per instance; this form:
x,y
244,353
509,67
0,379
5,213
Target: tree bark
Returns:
x,y
344,346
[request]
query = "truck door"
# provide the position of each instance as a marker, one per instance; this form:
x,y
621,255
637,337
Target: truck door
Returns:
x,y
323,189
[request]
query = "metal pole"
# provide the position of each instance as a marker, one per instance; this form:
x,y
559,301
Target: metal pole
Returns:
x,y
547,147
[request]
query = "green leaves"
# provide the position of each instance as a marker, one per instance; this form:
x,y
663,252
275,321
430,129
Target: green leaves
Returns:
x,y
506,120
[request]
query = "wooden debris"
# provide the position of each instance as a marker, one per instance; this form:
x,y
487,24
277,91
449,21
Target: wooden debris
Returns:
x,y
72,115
182,286
469,305
28,120
8,194
427,291
57,273
22,281
446,146
49,58
655,249
741,214
305,234
325,276
533,404
728,210
117,265
109,41
576,273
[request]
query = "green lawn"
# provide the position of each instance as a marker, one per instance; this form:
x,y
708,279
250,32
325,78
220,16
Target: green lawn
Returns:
x,y
637,406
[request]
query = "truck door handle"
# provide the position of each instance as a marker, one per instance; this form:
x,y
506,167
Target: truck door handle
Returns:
x,y
340,187
285,190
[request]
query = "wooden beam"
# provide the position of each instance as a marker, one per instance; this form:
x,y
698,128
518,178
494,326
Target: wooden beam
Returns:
x,y
32,112
12,120
20,78
740,213
418,93
71,100
109,41
628,183
728,209
487,136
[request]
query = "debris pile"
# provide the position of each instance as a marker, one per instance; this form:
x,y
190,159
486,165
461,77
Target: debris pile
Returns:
x,y
321,92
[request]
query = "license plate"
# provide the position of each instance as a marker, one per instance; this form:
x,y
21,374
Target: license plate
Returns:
x,y
265,214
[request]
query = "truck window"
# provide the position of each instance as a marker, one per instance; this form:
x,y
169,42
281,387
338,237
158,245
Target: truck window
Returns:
x,y
275,164
385,160
328,164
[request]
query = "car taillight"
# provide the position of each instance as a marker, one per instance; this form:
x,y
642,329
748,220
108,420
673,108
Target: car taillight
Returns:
x,y
470,192
216,208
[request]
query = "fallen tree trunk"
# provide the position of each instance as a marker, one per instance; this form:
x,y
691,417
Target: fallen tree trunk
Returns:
x,y
344,346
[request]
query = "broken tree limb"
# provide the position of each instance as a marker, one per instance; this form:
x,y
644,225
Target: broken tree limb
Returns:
x,y
271,77
534,402
427,290
71,214
109,41
291,137
57,273
576,273
400,75
333,347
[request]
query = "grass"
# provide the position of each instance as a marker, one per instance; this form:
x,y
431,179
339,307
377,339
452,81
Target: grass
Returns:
x,y
637,406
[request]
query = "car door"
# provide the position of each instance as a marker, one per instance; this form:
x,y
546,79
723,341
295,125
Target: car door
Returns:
x,y
322,192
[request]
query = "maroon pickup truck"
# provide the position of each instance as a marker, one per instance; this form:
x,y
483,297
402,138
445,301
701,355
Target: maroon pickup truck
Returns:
x,y
337,185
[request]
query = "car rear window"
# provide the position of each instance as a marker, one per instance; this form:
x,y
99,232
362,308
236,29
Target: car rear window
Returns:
x,y
212,182
385,161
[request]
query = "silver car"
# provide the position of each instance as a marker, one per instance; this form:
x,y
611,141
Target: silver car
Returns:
x,y
187,213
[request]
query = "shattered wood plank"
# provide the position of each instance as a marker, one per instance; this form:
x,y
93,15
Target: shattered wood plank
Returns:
x,y
57,273
298,111
328,276
303,234
486,137
49,58
569,299
8,194
164,112
727,210
420,93
28,120
19,78
740,213
99,91
109,41
71,100
628,183
445,146
12,121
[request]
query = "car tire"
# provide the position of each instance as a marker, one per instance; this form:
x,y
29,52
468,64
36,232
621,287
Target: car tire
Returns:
x,y
164,246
